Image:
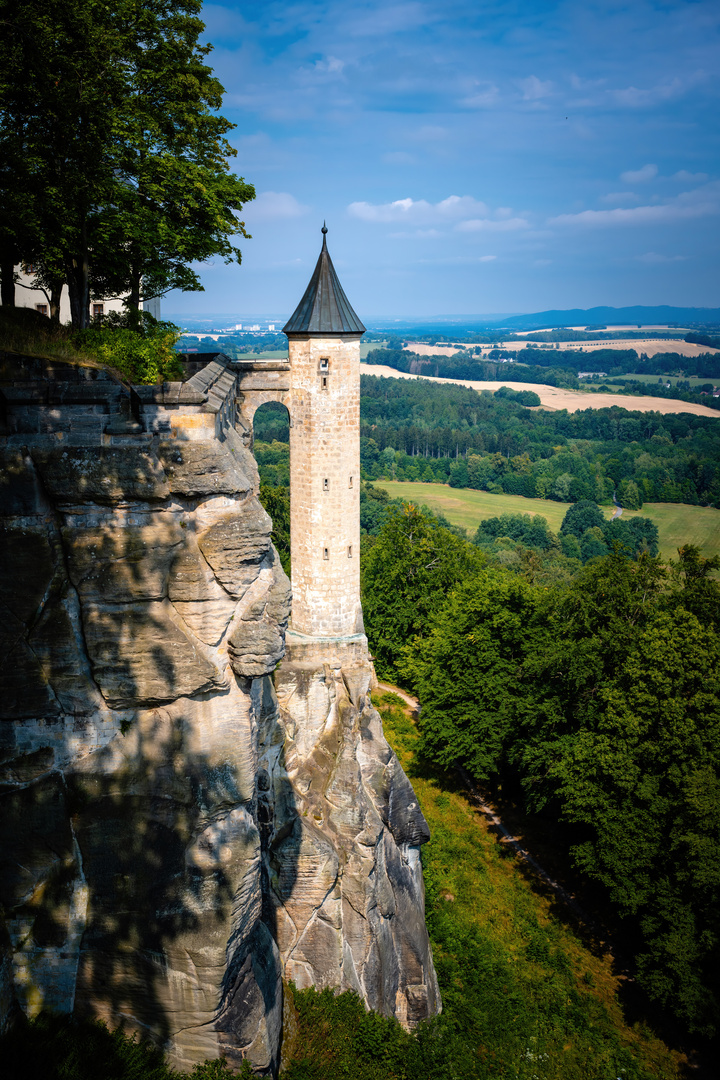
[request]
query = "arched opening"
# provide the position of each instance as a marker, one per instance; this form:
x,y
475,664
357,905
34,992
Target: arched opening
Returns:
x,y
271,423
271,447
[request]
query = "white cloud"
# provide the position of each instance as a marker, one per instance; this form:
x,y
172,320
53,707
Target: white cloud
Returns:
x,y
637,98
535,89
488,225
639,176
481,95
418,211
327,67
462,212
702,202
686,177
619,197
579,83
273,205
652,257
376,22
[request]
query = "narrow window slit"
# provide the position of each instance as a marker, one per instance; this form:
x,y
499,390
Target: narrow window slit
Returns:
x,y
326,485
326,554
349,551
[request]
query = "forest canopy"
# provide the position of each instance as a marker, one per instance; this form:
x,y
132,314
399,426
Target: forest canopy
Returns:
x,y
597,703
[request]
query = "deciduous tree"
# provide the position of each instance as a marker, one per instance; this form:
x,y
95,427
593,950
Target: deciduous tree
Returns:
x,y
111,115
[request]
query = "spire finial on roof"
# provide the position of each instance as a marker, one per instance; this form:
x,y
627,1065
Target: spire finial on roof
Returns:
x,y
324,309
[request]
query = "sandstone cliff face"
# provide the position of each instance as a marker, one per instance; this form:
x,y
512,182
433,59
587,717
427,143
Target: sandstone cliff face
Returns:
x,y
177,835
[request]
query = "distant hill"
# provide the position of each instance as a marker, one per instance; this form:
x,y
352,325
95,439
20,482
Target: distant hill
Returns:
x,y
611,316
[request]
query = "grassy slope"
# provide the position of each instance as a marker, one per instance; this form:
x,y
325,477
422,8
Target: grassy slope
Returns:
x,y
677,523
546,1005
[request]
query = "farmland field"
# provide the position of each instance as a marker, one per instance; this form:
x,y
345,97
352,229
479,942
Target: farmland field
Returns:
x,y
677,523
553,397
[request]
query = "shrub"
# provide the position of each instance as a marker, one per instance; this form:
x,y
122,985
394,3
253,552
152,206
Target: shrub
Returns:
x,y
140,349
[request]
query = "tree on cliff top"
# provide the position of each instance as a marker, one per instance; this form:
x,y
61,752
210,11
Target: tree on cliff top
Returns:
x,y
119,173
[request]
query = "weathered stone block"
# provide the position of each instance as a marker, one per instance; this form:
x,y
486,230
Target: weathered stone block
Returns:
x,y
140,655
35,839
197,469
105,475
118,563
255,648
236,544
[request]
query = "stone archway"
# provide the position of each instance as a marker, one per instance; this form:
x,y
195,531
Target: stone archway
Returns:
x,y
271,423
256,385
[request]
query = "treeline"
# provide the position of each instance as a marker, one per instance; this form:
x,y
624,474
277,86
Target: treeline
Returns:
x,y
463,366
235,345
679,391
438,433
597,704
554,367
433,432
711,340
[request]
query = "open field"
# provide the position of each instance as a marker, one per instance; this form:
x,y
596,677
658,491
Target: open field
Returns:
x,y
694,380
650,346
677,523
554,398
680,524
627,327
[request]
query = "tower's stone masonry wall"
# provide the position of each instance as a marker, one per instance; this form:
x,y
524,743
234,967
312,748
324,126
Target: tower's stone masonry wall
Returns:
x,y
325,485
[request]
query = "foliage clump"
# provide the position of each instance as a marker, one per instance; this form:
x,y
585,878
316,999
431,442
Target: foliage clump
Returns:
x,y
135,345
598,703
140,348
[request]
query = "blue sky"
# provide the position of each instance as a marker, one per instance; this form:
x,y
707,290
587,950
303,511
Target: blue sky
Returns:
x,y
472,157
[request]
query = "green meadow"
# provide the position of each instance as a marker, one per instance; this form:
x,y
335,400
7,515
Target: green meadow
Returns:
x,y
677,523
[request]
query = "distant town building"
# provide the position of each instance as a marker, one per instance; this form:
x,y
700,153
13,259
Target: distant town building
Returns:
x,y
592,374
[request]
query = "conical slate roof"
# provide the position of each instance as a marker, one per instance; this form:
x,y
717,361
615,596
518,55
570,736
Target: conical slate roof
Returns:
x,y
324,309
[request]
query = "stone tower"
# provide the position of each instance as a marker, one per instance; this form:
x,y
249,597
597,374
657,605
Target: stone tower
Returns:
x,y
324,346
